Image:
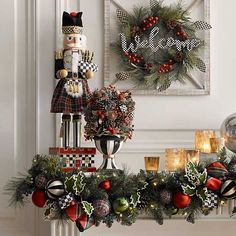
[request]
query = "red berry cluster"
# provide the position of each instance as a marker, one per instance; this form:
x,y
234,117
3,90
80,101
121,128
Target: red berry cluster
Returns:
x,y
180,33
133,57
148,23
165,68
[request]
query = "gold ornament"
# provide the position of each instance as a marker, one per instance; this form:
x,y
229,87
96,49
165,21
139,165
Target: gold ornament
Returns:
x,y
89,74
63,73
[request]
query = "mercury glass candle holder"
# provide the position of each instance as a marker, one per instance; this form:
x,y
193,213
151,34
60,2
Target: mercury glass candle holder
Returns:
x,y
175,159
152,164
193,156
202,140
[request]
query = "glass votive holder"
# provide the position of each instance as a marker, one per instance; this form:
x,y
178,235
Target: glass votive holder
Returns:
x,y
193,156
202,140
152,164
217,144
175,159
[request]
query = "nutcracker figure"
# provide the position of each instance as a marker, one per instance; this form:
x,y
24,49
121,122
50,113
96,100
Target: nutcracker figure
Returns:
x,y
73,67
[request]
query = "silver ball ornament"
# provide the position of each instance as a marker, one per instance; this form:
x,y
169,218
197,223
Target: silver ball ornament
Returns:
x,y
228,131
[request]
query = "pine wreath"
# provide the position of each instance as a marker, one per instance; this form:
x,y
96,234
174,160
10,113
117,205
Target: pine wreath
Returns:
x,y
158,45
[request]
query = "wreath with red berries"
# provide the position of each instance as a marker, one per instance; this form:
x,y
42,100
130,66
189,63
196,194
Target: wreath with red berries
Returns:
x,y
159,45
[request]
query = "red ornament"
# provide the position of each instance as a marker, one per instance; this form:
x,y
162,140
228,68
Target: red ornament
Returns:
x,y
217,164
213,184
39,198
73,14
181,200
106,185
72,212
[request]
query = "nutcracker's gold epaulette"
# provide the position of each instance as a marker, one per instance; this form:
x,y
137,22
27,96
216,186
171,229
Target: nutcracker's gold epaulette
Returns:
x,y
58,54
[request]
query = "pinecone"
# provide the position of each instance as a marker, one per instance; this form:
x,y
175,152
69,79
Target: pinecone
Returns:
x,y
171,24
143,202
165,196
136,30
108,220
179,57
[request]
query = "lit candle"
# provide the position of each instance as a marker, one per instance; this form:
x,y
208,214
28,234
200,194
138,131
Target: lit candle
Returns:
x,y
175,159
202,140
217,144
151,164
193,156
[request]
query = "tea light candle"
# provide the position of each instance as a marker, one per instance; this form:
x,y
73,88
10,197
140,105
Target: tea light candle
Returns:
x,y
217,144
175,159
202,140
151,164
193,156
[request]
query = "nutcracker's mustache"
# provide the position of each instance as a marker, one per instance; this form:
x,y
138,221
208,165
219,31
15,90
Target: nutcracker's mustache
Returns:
x,y
74,45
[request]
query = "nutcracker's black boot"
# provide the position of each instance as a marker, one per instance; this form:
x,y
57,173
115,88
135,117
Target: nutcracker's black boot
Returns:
x,y
77,126
66,130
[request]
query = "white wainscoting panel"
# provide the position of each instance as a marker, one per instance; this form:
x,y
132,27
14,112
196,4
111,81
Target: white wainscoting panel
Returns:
x,y
17,102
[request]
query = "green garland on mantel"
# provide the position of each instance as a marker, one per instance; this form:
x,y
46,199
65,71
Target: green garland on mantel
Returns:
x,y
106,196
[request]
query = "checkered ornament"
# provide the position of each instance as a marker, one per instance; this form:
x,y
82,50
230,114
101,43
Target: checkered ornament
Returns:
x,y
85,67
211,201
65,201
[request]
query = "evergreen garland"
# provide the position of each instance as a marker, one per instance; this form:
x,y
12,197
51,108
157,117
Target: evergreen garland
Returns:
x,y
145,193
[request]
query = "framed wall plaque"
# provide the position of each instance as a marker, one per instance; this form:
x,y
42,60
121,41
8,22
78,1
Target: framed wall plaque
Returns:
x,y
197,82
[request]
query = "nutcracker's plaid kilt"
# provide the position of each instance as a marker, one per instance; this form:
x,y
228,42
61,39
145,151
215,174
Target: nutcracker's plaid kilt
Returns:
x,y
64,103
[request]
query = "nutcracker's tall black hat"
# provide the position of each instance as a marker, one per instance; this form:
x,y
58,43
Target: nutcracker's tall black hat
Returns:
x,y
72,23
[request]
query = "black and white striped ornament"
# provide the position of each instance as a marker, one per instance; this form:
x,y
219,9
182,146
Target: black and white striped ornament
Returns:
x,y
228,189
55,189
108,145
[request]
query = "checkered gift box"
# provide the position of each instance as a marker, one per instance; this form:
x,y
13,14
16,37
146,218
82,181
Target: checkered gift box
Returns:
x,y
87,160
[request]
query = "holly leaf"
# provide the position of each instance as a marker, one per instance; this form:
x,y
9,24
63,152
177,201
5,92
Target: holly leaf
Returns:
x,y
188,190
201,25
191,173
203,177
78,184
202,193
145,184
69,183
87,207
135,199
75,183
50,211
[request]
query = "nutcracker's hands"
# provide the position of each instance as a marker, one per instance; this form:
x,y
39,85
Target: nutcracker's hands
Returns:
x,y
61,74
89,74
